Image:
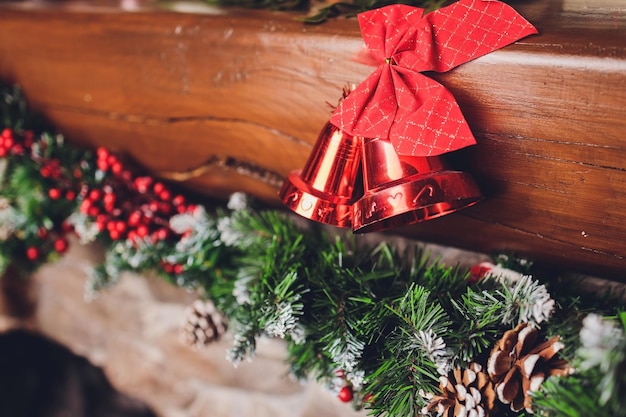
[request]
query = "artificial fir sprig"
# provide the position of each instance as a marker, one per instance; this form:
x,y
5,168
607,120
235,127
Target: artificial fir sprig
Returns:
x,y
478,317
598,385
321,10
383,327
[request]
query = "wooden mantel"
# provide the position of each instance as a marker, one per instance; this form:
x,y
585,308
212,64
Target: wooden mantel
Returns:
x,y
233,100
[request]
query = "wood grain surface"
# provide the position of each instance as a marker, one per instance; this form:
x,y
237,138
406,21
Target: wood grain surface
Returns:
x,y
233,100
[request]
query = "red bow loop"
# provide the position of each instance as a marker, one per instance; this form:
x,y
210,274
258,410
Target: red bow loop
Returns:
x,y
418,115
469,29
390,30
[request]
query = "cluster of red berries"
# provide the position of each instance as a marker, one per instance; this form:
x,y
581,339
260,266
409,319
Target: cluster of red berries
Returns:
x,y
63,187
127,207
15,144
20,143
170,268
123,206
59,244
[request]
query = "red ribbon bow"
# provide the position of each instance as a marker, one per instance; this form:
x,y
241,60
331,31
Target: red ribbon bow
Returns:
x,y
417,114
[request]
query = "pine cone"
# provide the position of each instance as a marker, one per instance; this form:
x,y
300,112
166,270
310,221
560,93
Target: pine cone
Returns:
x,y
203,324
465,392
520,362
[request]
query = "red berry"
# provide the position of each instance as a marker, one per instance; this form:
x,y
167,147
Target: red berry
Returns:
x,y
109,198
142,184
54,193
168,267
102,153
29,138
117,168
114,234
18,149
161,234
147,216
7,133
60,245
142,230
178,269
178,200
134,218
93,211
120,226
32,253
165,208
346,394
55,172
132,236
153,206
45,171
70,195
158,187
103,165
95,195
165,195
85,205
8,143
101,224
109,207
78,173
181,209
478,272
42,232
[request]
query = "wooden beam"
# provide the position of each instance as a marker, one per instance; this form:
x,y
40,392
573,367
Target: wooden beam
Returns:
x,y
233,100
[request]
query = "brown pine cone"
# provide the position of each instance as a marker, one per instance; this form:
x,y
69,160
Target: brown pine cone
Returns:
x,y
520,362
467,392
203,324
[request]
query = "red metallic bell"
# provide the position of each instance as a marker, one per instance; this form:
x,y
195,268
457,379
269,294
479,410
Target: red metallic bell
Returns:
x,y
325,189
401,190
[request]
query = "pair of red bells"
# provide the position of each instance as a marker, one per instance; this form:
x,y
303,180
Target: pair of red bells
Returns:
x,y
362,183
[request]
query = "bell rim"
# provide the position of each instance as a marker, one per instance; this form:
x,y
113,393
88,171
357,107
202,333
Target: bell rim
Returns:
x,y
372,213
319,208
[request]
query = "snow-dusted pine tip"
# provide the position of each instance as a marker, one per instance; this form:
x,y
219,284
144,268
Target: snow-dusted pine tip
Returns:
x,y
238,201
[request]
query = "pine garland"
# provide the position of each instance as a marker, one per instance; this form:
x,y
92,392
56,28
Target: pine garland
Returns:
x,y
385,328
320,11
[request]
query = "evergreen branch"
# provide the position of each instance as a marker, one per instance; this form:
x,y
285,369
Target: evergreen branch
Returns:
x,y
569,397
411,364
321,11
352,8
479,316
